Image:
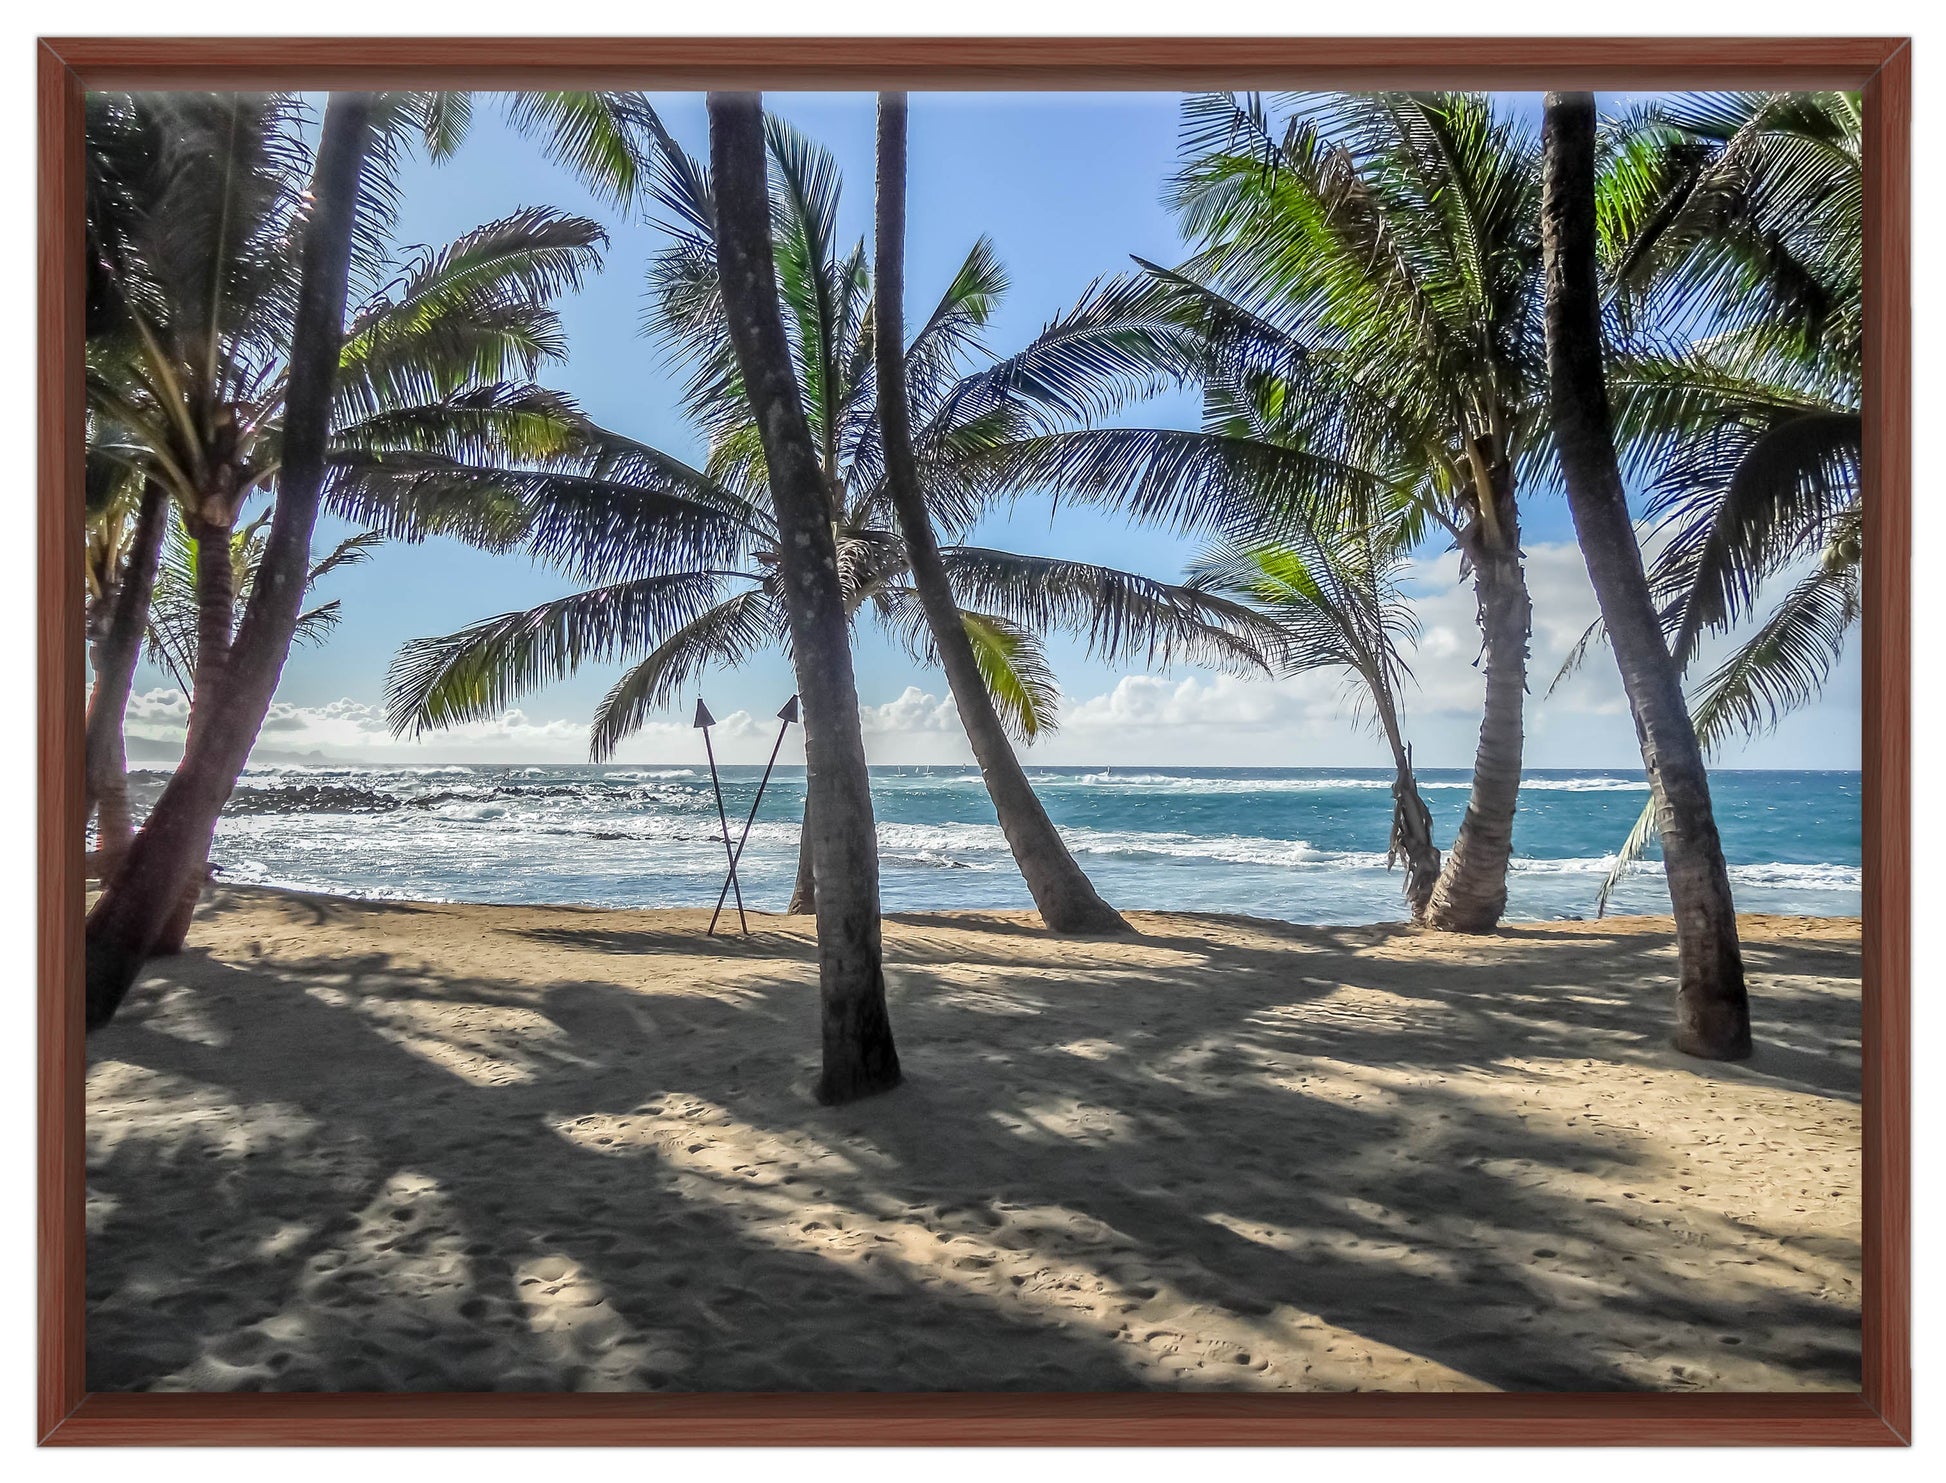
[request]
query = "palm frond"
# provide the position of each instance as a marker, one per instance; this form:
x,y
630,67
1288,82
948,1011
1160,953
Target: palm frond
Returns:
x,y
476,673
1014,669
1786,661
1641,835
725,634
608,139
1205,482
353,550
1780,491
1121,615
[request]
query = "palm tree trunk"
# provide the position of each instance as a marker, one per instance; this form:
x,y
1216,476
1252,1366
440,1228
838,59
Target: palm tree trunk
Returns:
x,y
215,633
859,1055
1472,889
168,854
1712,1008
1065,896
804,890
1412,839
215,601
116,654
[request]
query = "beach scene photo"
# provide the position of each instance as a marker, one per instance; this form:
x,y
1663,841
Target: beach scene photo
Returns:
x,y
979,742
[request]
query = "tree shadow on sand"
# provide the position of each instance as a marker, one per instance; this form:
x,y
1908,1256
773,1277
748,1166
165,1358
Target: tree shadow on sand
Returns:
x,y
351,1172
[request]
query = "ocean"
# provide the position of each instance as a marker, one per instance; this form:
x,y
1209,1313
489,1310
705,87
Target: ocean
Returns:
x,y
1302,845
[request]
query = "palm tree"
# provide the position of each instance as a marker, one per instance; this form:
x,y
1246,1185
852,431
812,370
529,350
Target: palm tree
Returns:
x,y
125,525
188,382
142,599
136,905
223,285
1363,317
1732,238
859,1055
687,564
1712,1010
1067,899
1334,599
170,639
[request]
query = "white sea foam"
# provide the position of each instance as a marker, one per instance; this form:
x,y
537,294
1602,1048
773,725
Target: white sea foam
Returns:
x,y
932,858
1177,783
1183,783
648,835
1817,876
1574,785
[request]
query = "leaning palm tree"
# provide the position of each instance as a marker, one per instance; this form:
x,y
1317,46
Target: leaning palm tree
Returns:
x,y
1367,272
686,564
1334,600
221,355
137,905
1712,1008
1732,239
126,519
189,386
1067,900
170,639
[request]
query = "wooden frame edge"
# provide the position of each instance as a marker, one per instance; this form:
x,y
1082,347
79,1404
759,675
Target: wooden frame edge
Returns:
x,y
1000,63
900,1420
61,1218
1887,745
1879,1414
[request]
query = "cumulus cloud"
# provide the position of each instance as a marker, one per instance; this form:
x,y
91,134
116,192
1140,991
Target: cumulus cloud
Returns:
x,y
353,730
1309,720
1447,681
1224,701
914,711
1317,719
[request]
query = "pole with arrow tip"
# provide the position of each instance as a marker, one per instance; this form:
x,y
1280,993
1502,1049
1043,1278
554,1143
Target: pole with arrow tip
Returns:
x,y
704,720
787,715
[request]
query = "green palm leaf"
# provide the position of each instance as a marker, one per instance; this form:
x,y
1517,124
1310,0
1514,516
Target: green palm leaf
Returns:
x,y
1121,615
1014,669
725,634
477,672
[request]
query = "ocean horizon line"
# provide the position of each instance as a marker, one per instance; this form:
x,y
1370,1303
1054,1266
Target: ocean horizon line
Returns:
x,y
502,764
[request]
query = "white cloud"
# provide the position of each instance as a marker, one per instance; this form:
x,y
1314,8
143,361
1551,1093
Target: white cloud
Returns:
x,y
1317,719
914,711
352,730
159,714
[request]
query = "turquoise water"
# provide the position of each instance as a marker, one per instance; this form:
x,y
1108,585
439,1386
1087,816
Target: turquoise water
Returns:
x,y
1305,845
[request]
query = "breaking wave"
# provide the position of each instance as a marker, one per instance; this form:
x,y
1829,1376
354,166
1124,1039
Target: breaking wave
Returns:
x,y
1184,783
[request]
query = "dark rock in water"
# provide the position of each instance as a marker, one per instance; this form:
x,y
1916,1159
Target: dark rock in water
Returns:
x,y
311,798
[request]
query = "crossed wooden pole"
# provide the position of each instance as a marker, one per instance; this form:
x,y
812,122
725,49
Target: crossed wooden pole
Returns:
x,y
704,720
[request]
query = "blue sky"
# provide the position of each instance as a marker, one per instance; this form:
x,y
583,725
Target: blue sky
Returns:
x,y
1068,186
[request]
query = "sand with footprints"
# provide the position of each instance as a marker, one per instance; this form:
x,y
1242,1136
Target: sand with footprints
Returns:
x,y
347,1145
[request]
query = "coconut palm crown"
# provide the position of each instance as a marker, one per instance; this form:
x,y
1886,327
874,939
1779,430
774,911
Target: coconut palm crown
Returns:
x,y
1362,314
1732,227
1730,236
197,207
683,560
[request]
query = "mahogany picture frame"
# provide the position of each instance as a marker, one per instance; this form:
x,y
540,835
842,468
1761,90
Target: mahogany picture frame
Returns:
x,y
1878,1414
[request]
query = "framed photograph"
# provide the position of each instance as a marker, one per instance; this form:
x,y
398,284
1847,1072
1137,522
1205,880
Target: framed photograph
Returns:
x,y
1061,741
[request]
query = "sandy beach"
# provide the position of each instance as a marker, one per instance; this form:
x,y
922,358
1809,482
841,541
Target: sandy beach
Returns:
x,y
350,1145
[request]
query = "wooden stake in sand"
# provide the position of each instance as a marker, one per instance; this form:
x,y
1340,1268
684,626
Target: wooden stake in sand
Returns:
x,y
787,715
704,720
